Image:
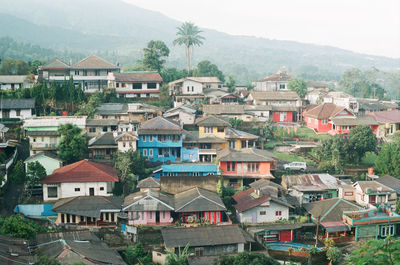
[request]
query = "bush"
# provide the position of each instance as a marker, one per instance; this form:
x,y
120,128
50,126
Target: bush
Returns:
x,y
20,227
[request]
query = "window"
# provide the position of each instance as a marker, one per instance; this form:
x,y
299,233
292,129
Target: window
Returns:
x,y
199,252
150,138
220,129
117,85
18,112
282,116
151,215
77,189
328,196
282,86
324,122
105,129
101,188
137,85
278,213
192,88
34,140
196,174
263,212
188,88
233,166
137,216
92,130
144,152
52,192
144,138
151,152
232,144
76,72
208,129
348,193
163,214
228,166
152,85
243,144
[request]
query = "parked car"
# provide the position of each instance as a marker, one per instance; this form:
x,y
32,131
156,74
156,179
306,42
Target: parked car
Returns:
x,y
296,166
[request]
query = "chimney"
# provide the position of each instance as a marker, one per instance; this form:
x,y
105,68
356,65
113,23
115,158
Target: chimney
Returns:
x,y
370,171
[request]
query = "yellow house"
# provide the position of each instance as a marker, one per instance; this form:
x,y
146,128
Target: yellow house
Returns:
x,y
212,126
239,139
389,122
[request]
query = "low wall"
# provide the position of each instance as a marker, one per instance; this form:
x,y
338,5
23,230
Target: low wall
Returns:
x,y
176,184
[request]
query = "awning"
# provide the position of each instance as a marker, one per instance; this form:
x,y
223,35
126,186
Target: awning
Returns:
x,y
332,227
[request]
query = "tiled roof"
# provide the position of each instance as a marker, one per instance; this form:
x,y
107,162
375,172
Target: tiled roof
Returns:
x,y
9,103
311,181
212,121
324,111
198,200
112,108
82,171
389,116
248,199
231,133
138,77
149,182
149,201
365,120
45,153
202,236
101,122
199,79
330,210
193,137
90,206
12,79
391,182
219,109
55,64
102,140
374,186
93,62
158,125
280,76
274,95
246,155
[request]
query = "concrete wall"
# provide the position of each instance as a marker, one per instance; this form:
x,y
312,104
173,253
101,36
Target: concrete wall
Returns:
x,y
191,88
66,190
176,184
148,217
24,114
49,164
270,213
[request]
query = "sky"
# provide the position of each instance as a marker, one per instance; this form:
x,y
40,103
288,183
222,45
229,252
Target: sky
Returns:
x,y
365,26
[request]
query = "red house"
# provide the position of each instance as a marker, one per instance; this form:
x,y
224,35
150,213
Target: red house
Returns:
x,y
284,113
319,118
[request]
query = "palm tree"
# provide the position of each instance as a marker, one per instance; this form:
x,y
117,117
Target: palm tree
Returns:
x,y
188,35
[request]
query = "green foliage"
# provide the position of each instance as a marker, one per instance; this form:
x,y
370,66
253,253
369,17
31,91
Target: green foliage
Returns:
x,y
282,132
35,172
334,254
299,86
377,252
398,207
231,84
206,68
154,55
236,123
164,94
362,140
136,254
178,259
89,108
14,67
171,73
189,36
44,260
329,243
246,258
388,160
18,173
17,226
72,145
362,84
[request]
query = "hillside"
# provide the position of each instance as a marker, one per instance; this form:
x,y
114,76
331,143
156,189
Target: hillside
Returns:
x,y
119,31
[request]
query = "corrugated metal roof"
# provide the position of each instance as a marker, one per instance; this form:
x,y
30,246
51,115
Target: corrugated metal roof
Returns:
x,y
193,167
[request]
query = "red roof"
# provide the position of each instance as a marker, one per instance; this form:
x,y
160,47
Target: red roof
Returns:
x,y
82,171
247,200
324,111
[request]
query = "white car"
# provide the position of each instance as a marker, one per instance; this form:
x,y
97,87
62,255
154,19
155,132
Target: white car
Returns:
x,y
296,166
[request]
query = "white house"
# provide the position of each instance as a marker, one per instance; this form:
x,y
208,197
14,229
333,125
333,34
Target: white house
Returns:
x,y
17,108
126,141
182,114
82,178
373,192
10,82
191,89
275,82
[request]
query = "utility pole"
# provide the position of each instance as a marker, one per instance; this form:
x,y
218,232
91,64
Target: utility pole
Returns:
x,y
316,235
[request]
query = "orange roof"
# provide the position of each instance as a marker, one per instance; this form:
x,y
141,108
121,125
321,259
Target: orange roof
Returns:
x,y
324,111
82,171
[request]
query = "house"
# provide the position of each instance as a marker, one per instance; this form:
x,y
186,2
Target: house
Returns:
x,y
43,131
389,122
319,118
190,89
76,247
281,232
3,138
342,99
102,147
113,111
148,183
373,222
316,96
260,206
275,82
391,182
229,98
246,113
95,127
182,114
91,73
241,167
311,187
374,193
177,184
149,208
206,240
238,139
88,210
189,169
202,149
126,141
49,160
285,105
368,105
343,125
160,140
199,205
11,82
17,108
82,178
136,84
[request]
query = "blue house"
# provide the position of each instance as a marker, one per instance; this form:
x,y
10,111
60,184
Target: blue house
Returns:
x,y
160,140
189,169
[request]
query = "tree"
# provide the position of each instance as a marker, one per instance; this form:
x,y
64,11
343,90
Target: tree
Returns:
x,y
362,140
44,260
171,73
235,122
299,86
189,36
206,68
365,84
90,107
35,172
388,159
154,54
14,67
72,146
333,254
20,227
178,259
245,258
17,175
135,254
379,252
164,93
123,164
231,84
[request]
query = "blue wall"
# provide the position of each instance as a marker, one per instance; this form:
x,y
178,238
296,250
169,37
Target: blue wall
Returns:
x,y
190,155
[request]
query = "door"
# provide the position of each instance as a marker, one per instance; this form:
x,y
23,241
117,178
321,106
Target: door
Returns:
x,y
286,236
91,191
157,216
254,217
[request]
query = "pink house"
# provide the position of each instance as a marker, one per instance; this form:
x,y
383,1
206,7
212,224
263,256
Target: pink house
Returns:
x,y
149,207
319,118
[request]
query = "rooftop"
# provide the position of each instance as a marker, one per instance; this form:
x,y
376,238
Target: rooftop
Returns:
x,y
93,62
330,210
159,125
246,155
324,111
212,121
138,77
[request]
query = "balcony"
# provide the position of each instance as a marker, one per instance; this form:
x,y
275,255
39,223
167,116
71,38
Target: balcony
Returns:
x,y
207,151
43,146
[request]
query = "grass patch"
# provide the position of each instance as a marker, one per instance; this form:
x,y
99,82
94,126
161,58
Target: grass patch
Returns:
x,y
304,132
272,144
292,158
369,159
